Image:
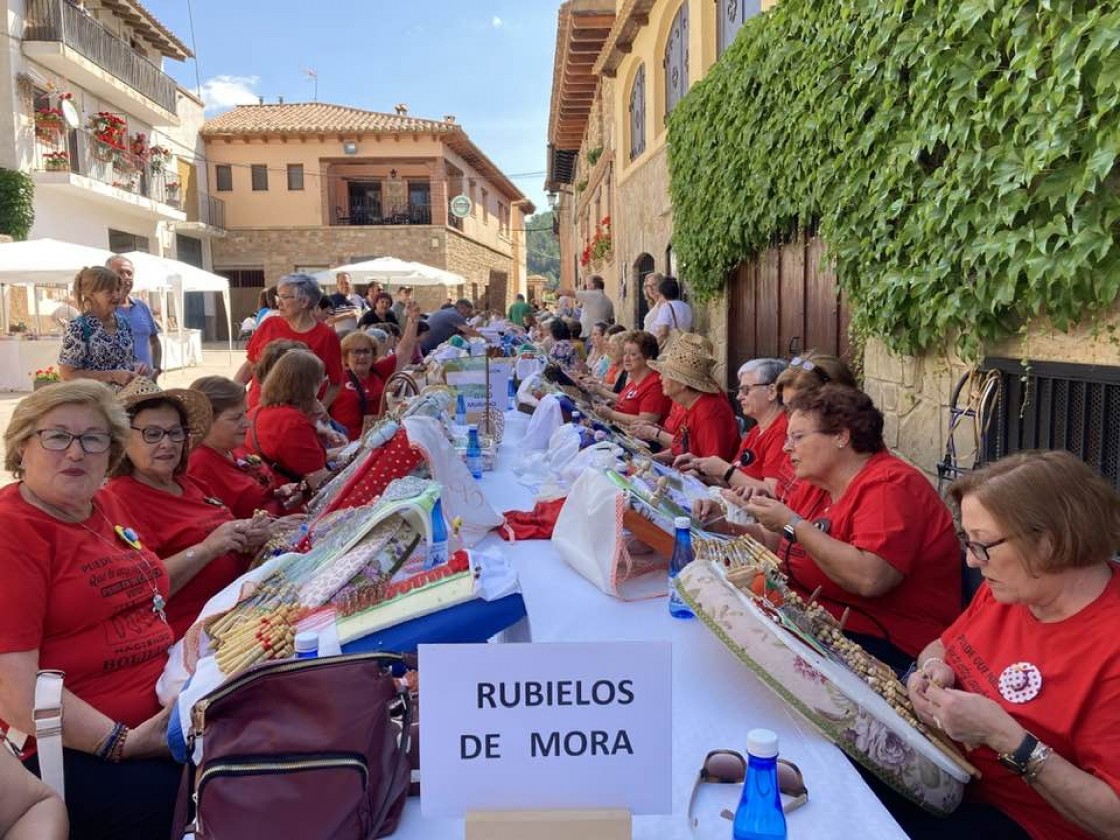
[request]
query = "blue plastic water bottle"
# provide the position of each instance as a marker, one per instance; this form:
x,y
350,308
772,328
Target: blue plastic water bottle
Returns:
x,y
460,410
474,452
759,815
682,556
512,393
437,553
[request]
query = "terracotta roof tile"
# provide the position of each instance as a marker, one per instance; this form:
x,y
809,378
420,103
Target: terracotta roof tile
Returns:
x,y
317,118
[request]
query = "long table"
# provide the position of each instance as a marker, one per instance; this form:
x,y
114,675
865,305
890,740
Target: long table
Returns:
x,y
716,699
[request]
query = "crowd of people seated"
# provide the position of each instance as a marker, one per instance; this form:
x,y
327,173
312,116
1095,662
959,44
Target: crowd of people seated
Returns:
x,y
134,506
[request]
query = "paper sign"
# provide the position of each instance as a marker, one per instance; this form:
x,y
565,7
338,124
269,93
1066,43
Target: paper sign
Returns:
x,y
468,377
536,726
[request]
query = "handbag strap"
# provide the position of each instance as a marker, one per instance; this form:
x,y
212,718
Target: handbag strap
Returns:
x,y
362,400
673,312
48,729
276,466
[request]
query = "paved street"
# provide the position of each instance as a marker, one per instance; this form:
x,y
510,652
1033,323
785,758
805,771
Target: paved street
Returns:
x,y
214,362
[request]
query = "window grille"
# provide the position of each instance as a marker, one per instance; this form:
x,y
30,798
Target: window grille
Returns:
x,y
638,114
676,60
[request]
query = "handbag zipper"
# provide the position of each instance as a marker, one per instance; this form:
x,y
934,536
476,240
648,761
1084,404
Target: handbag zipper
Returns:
x,y
198,713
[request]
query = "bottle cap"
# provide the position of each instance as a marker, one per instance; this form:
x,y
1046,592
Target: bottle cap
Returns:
x,y
762,743
307,641
682,522
473,427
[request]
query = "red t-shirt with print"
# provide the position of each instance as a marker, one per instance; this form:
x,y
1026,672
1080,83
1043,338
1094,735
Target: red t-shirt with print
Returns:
x,y
709,427
347,407
1076,711
287,439
767,456
321,339
168,524
244,487
889,509
644,398
82,597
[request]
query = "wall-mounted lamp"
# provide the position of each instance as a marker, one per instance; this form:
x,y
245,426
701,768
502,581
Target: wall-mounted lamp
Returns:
x,y
553,200
350,147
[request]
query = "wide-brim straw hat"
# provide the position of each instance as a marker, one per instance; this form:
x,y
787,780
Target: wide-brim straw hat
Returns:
x,y
195,404
688,360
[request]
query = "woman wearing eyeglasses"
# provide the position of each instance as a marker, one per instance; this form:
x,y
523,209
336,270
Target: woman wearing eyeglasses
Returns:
x,y
184,522
1029,676
80,597
366,375
298,296
864,526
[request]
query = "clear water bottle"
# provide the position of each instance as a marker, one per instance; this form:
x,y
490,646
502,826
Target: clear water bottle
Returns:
x,y
511,392
759,815
460,410
437,552
307,645
682,556
474,452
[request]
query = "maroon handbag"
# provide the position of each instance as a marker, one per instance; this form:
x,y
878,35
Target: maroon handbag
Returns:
x,y
299,748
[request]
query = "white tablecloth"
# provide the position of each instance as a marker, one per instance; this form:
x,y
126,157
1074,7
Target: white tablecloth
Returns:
x,y
716,698
181,353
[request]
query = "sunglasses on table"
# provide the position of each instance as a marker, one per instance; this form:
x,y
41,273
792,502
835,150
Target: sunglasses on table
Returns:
x,y
799,363
728,767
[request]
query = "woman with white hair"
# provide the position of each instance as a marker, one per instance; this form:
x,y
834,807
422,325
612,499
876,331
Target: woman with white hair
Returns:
x,y
297,296
761,462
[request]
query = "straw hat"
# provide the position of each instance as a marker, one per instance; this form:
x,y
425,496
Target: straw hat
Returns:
x,y
194,404
689,360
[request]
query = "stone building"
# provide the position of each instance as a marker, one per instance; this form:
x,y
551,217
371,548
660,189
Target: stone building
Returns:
x,y
620,69
311,186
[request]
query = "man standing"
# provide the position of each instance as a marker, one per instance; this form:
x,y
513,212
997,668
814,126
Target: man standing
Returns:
x,y
446,323
404,298
345,305
145,330
518,310
596,306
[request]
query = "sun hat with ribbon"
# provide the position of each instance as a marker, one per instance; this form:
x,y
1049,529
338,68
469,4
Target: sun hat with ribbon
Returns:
x,y
194,404
689,360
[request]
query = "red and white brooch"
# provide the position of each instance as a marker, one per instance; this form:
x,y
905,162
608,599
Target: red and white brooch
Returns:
x,y
1020,682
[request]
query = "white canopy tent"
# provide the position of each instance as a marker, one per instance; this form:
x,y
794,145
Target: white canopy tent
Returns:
x,y
163,274
43,262
392,270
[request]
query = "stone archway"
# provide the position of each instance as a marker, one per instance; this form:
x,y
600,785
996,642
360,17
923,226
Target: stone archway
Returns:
x,y
643,266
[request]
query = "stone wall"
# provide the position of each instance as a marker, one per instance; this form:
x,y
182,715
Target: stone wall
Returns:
x,y
643,226
914,392
475,261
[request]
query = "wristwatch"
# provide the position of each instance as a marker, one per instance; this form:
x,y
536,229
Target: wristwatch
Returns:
x,y
1026,760
790,529
727,475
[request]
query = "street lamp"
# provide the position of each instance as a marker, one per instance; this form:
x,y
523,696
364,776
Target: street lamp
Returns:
x,y
553,199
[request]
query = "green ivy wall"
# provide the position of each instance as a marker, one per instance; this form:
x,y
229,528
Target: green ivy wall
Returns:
x,y
959,157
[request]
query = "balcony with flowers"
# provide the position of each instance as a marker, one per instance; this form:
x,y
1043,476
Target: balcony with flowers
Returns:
x,y
600,248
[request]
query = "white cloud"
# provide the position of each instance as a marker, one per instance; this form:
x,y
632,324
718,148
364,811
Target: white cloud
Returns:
x,y
496,22
223,92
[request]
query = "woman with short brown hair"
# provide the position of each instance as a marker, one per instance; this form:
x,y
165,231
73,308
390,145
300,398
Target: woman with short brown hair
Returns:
x,y
1029,676
642,400
98,343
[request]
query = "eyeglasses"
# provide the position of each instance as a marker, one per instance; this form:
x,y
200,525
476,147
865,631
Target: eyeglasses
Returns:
x,y
361,351
286,297
746,389
795,438
728,767
154,434
808,365
57,440
980,550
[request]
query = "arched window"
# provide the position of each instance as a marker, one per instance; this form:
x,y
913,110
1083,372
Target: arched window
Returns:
x,y
732,13
676,60
638,114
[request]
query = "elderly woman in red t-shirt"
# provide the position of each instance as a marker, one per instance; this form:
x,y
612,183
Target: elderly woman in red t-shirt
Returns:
x,y
298,297
642,399
203,546
80,594
761,459
1028,678
366,375
282,428
220,462
864,526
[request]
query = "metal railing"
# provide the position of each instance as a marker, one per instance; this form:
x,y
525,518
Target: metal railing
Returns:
x,y
212,211
414,214
81,153
61,21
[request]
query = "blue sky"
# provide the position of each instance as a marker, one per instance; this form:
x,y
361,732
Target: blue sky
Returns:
x,y
488,62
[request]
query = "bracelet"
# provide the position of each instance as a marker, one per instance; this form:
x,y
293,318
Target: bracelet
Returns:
x,y
112,748
1036,762
727,475
932,659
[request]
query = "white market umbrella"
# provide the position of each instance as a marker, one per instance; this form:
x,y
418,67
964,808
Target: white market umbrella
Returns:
x,y
163,274
393,270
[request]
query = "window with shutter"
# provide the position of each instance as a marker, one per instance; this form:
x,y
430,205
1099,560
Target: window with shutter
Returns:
x,y
732,13
676,60
638,114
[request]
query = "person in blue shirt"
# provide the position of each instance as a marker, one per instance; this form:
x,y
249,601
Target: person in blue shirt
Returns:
x,y
145,330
